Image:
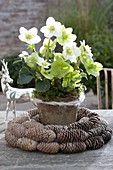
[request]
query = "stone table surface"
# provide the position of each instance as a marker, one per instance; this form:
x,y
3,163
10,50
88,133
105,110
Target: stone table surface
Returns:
x,y
17,159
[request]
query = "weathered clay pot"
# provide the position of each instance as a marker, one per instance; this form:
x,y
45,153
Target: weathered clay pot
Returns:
x,y
61,112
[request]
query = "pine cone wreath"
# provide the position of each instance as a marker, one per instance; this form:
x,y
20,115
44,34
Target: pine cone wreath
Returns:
x,y
28,133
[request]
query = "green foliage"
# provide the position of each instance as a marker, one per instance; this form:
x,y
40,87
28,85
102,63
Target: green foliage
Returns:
x,y
54,93
92,67
71,79
42,85
103,52
31,60
26,76
92,21
59,68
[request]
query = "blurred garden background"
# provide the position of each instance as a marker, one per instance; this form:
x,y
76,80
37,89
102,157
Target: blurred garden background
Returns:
x,y
91,20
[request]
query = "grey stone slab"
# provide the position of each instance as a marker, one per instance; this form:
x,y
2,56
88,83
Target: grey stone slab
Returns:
x,y
2,127
100,159
15,159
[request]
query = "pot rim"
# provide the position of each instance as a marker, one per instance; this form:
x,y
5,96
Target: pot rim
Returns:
x,y
74,102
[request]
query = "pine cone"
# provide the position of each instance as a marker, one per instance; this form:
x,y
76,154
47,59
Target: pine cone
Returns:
x,y
85,123
36,117
84,119
96,131
16,129
109,129
103,123
11,139
73,126
42,135
32,112
90,114
48,136
94,142
83,112
27,144
71,135
107,135
48,147
21,119
88,124
73,147
32,124
94,120
55,128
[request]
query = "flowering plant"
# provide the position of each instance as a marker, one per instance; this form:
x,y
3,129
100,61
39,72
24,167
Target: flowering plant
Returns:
x,y
56,73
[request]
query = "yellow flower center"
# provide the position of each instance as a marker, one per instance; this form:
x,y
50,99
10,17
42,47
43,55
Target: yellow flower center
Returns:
x,y
51,28
69,51
29,36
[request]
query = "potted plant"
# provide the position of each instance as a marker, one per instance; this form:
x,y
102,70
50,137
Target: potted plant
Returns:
x,y
56,69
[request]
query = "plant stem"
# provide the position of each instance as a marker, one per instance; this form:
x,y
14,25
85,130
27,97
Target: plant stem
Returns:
x,y
47,54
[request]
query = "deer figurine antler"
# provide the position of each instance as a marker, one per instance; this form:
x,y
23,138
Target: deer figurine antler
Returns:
x,y
4,67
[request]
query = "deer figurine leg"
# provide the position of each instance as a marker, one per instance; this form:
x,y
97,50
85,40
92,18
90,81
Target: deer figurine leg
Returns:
x,y
7,109
14,108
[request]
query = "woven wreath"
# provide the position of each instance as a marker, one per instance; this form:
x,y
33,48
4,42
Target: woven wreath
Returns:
x,y
28,133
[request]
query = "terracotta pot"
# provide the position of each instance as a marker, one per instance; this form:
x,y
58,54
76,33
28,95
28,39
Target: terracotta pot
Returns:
x,y
60,112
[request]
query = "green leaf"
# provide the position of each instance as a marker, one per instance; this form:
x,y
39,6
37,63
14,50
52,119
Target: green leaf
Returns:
x,y
17,61
25,76
31,47
46,73
23,79
59,68
92,67
32,60
94,70
42,85
71,79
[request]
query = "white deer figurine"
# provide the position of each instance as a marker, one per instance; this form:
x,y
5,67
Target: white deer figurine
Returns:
x,y
12,94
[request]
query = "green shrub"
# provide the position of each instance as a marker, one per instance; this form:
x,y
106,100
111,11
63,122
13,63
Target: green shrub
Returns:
x,y
92,21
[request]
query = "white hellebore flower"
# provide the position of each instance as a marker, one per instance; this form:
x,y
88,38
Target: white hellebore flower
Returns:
x,y
87,48
42,62
47,41
29,36
52,28
23,54
67,36
71,51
